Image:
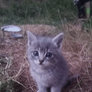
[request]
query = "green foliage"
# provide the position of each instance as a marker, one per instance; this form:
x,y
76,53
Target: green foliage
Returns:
x,y
88,25
60,9
21,11
7,83
10,86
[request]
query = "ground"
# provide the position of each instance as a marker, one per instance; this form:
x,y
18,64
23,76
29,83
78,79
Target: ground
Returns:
x,y
77,49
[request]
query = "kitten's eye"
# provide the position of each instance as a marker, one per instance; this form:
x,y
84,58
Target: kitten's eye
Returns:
x,y
49,54
35,53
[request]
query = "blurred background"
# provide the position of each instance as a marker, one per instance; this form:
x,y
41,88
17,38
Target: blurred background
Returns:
x,y
37,11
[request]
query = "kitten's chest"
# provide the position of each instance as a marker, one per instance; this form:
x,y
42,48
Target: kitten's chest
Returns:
x,y
42,74
47,78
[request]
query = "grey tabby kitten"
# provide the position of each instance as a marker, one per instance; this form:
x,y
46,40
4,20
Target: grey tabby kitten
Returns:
x,y
47,65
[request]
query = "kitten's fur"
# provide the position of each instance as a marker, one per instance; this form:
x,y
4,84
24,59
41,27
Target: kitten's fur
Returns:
x,y
47,65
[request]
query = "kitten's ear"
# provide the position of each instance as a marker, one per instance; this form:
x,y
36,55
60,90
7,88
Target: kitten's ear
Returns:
x,y
58,39
31,37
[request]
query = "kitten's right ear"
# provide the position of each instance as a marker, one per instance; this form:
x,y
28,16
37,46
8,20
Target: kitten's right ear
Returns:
x,y
31,37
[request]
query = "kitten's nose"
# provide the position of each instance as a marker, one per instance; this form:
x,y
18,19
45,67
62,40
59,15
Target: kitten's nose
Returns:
x,y
41,61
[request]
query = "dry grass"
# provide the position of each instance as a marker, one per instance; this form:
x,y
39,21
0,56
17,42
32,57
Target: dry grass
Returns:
x,y
77,49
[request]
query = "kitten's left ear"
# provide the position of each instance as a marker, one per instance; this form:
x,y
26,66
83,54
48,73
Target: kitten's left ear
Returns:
x,y
58,39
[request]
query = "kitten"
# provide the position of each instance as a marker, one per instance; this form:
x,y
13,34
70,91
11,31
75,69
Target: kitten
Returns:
x,y
47,65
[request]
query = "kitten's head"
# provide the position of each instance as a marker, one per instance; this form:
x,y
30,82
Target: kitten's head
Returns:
x,y
43,51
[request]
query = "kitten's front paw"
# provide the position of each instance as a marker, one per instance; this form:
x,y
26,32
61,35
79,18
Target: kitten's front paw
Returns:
x,y
41,91
38,91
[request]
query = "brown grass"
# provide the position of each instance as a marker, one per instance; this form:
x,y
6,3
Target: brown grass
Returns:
x,y
77,49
